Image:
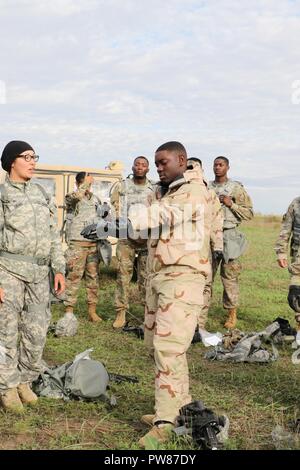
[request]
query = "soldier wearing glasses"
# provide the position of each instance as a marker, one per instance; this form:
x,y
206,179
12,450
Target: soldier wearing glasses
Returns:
x,y
29,246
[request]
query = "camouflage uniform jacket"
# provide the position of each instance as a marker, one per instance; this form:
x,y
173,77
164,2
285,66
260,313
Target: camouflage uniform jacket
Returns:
x,y
179,227
216,234
82,207
241,208
125,195
28,227
290,230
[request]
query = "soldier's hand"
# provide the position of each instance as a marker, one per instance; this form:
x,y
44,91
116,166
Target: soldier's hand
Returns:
x,y
282,263
217,255
1,295
59,283
294,298
226,200
89,232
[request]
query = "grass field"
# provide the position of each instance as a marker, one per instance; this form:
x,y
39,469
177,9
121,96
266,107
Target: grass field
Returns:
x,y
255,397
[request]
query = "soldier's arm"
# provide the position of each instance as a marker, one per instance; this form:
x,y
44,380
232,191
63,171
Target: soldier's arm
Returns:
x,y
1,224
1,238
57,258
77,195
115,199
281,246
242,204
216,235
167,213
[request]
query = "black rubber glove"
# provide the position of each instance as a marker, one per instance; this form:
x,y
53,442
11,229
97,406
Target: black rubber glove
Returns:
x,y
294,298
90,232
218,255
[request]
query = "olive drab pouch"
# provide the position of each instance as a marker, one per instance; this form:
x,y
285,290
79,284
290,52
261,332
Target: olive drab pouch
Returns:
x,y
104,250
235,244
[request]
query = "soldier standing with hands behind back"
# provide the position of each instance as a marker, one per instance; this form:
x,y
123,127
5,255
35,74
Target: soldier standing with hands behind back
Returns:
x,y
237,206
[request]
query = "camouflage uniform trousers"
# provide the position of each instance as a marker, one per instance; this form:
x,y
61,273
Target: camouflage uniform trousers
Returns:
x,y
125,253
24,320
229,275
173,300
82,261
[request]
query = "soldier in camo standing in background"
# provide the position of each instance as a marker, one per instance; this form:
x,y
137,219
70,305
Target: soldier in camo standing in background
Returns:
x,y
237,206
125,194
82,256
290,232
29,246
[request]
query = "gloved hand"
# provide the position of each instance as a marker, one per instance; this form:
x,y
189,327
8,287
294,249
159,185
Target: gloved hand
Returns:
x,y
294,298
103,210
106,228
217,255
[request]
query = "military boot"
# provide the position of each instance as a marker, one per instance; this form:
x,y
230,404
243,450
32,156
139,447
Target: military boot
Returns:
x,y
120,320
11,401
28,397
159,434
147,419
231,320
93,315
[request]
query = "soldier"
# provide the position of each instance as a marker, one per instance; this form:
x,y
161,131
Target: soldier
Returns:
x,y
177,266
125,194
82,255
290,232
237,206
216,239
30,244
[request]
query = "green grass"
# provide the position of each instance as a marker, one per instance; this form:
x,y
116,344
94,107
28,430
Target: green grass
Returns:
x,y
255,397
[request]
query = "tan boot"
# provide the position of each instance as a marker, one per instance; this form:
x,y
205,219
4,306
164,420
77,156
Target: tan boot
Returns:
x,y
120,320
147,419
11,401
231,320
28,397
93,315
69,309
158,434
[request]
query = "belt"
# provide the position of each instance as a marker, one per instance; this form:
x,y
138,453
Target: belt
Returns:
x,y
28,259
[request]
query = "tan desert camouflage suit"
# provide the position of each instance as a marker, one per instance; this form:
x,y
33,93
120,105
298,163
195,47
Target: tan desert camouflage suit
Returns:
x,y
177,267
290,232
29,242
234,242
126,194
81,256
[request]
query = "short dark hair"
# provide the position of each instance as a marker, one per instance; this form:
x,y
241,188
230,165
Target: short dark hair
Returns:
x,y
172,146
222,158
80,177
141,156
195,159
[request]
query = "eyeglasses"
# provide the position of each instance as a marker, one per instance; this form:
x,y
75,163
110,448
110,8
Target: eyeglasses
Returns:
x,y
29,157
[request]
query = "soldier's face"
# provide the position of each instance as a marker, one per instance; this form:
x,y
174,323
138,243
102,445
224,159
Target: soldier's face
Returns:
x,y
220,167
169,165
21,170
140,168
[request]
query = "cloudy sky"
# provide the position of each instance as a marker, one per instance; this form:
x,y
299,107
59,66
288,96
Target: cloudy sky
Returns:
x,y
89,81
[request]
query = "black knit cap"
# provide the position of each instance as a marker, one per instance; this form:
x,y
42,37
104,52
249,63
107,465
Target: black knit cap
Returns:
x,y
11,151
